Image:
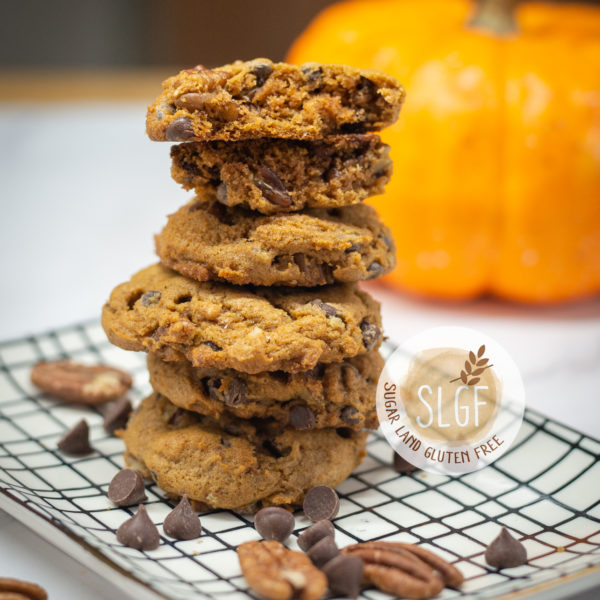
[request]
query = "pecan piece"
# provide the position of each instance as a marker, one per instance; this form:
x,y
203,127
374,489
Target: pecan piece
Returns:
x,y
271,187
79,383
404,570
276,573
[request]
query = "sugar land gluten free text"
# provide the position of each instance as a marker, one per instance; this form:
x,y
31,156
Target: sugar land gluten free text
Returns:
x,y
433,454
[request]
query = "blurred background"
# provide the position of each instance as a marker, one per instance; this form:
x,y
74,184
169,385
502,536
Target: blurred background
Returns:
x,y
494,202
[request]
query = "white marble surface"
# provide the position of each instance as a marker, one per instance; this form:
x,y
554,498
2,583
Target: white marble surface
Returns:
x,y
82,193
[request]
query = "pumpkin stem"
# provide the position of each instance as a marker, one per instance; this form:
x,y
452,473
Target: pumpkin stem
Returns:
x,y
497,16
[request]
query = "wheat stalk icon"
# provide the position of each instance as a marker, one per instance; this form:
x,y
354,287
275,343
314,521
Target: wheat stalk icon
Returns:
x,y
474,367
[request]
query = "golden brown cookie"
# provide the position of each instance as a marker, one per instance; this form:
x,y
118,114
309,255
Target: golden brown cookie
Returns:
x,y
260,98
241,465
330,395
277,176
247,329
210,242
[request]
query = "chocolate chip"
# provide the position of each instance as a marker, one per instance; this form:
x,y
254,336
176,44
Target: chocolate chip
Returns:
x,y
314,533
212,346
262,72
505,552
300,260
179,130
274,523
328,309
116,415
225,442
281,376
182,523
313,75
344,575
301,417
274,450
316,372
375,269
139,532
403,466
323,551
150,298
349,415
370,334
272,187
321,502
236,393
331,174
77,440
353,248
127,488
183,299
388,241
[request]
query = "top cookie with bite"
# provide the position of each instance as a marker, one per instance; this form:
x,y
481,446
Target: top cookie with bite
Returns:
x,y
260,98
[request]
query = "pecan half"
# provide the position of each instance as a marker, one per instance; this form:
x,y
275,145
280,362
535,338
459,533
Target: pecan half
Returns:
x,y
404,570
79,383
276,573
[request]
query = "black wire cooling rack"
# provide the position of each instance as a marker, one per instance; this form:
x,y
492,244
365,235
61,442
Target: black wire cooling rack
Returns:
x,y
545,490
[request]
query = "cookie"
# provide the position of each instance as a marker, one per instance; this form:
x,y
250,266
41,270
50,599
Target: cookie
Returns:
x,y
210,242
242,465
246,329
259,98
330,395
275,175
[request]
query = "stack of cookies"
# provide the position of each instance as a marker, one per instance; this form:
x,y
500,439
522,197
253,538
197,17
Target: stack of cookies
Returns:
x,y
262,349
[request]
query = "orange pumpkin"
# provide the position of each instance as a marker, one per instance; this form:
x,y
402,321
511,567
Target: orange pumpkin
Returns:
x,y
496,185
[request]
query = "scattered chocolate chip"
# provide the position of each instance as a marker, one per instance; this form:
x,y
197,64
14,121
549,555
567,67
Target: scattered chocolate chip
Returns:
x,y
276,452
116,415
344,432
344,575
505,552
403,466
271,187
262,72
127,488
353,248
370,334
212,346
375,269
301,417
274,523
328,309
349,415
222,193
179,130
77,440
388,241
323,551
309,537
182,523
236,393
281,376
316,372
183,299
321,502
139,531
177,416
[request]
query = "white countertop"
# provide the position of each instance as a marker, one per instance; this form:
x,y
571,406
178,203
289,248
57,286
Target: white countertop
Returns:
x,y
83,190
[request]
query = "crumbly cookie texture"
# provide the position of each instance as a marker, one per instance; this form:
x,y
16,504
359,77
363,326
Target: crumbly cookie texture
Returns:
x,y
241,465
210,242
246,329
330,395
275,175
260,98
